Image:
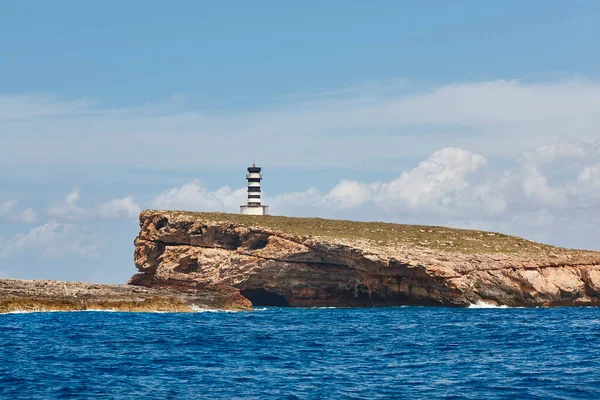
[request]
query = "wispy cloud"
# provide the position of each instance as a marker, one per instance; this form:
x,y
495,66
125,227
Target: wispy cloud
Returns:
x,y
51,240
69,209
495,118
28,107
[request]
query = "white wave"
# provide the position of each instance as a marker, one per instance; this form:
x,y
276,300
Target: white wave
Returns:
x,y
483,304
30,311
53,311
203,310
19,312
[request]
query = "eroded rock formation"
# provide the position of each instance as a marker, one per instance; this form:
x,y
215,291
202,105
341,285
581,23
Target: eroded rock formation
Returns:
x,y
271,261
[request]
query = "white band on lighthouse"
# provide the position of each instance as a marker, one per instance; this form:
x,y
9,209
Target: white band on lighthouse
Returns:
x,y
254,206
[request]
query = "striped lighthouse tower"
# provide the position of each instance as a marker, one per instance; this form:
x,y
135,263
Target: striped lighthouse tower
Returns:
x,y
254,207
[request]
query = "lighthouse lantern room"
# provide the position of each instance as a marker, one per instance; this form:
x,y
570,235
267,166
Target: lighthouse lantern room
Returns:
x,y
254,207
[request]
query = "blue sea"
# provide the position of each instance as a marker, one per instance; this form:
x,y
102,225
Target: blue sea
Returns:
x,y
290,353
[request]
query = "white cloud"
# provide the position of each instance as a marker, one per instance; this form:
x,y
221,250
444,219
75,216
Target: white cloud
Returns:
x,y
73,197
8,212
52,240
125,207
457,187
551,193
295,203
537,169
473,123
194,197
6,208
70,210
446,183
434,184
348,194
460,132
590,176
28,215
452,186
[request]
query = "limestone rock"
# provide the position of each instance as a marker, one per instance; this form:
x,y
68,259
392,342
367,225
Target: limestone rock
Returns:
x,y
314,262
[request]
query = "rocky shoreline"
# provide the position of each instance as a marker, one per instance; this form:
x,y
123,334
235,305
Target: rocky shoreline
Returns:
x,y
47,295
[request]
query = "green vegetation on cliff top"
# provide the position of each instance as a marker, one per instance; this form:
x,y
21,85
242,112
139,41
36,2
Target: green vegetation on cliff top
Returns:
x,y
386,234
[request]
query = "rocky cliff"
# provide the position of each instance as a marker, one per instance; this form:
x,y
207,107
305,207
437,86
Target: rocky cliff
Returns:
x,y
314,262
43,295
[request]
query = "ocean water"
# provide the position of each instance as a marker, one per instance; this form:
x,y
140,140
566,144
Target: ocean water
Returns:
x,y
286,353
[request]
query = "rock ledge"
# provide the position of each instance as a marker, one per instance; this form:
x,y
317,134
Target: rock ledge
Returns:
x,y
46,295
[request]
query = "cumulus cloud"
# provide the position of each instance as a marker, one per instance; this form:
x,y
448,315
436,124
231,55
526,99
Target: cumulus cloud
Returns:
x,y
451,186
194,197
70,210
450,181
551,185
125,207
51,241
435,184
6,208
28,215
591,175
8,212
348,194
552,193
558,175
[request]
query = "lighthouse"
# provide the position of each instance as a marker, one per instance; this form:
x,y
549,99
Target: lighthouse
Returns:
x,y
254,207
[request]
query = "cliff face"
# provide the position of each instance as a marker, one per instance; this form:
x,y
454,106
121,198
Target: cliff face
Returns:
x,y
313,262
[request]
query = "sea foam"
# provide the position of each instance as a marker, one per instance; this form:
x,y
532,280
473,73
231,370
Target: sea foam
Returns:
x,y
483,304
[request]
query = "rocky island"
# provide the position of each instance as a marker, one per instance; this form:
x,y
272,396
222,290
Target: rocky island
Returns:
x,y
189,261
310,262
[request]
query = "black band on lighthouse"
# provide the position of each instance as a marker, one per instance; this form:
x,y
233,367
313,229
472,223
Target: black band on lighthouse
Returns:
x,y
253,205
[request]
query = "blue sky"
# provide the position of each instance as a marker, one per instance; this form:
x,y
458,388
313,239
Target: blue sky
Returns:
x,y
243,54
466,113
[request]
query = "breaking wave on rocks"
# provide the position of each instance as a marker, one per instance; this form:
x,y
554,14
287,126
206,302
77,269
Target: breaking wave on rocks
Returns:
x,y
194,308
483,304
210,310
53,311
